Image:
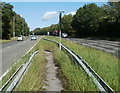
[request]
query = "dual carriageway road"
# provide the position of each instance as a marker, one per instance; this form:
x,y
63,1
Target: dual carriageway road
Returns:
x,y
13,51
112,47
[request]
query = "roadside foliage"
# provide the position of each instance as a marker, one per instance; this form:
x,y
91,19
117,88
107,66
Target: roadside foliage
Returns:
x,y
10,18
90,21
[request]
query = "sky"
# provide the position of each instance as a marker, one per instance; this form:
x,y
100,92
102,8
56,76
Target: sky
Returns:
x,y
42,14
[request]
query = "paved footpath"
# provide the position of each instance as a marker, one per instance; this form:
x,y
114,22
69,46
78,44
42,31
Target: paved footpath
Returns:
x,y
52,82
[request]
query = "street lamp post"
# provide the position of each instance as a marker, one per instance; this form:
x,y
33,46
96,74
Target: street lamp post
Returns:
x,y
13,26
60,27
23,28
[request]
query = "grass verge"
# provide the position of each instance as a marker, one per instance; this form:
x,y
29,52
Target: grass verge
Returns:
x,y
74,77
33,79
5,41
103,63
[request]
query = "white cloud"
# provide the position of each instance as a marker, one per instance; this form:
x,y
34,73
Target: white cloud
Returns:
x,y
72,13
113,0
50,15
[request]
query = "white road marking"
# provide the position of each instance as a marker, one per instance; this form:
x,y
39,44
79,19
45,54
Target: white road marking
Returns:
x,y
4,74
18,61
8,47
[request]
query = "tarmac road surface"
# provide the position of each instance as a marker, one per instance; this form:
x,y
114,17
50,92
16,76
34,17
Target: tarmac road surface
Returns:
x,y
112,47
12,51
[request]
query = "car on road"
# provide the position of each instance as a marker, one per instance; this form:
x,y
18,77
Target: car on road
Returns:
x,y
64,34
33,37
20,38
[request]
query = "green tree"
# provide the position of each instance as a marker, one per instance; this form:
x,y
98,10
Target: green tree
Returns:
x,y
66,25
7,15
85,21
109,25
43,31
7,22
18,25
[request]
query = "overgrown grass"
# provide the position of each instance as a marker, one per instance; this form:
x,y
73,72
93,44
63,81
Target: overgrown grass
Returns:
x,y
33,79
73,77
103,63
76,79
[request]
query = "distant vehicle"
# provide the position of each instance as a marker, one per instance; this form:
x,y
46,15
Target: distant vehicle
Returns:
x,y
33,37
64,34
55,33
20,38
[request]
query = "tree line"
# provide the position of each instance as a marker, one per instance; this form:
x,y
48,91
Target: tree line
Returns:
x,y
90,20
12,23
43,31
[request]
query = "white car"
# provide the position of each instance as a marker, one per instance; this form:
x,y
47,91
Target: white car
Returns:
x,y
33,37
20,38
64,34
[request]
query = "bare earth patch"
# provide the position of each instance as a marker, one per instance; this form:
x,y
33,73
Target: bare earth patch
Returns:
x,y
52,82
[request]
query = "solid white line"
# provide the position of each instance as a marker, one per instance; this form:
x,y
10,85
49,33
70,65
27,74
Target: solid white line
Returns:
x,y
8,47
4,74
32,47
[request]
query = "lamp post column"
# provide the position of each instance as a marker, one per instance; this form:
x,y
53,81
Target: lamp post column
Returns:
x,y
60,28
13,26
